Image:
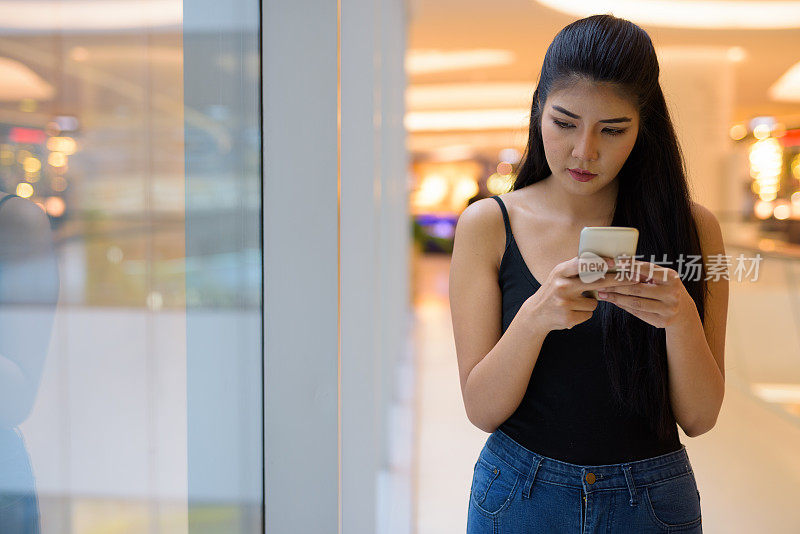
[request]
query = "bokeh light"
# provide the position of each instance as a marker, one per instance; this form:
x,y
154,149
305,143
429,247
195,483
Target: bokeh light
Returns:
x,y
738,132
25,190
55,206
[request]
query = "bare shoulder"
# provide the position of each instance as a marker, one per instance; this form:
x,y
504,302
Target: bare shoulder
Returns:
x,y
480,232
709,229
701,212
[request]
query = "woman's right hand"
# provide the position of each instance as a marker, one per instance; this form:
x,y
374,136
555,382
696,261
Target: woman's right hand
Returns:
x,y
559,303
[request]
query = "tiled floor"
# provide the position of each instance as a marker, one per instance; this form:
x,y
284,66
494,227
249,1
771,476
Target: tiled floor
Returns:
x,y
747,467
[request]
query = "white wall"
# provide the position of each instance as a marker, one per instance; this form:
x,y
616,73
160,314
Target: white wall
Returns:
x,y
699,86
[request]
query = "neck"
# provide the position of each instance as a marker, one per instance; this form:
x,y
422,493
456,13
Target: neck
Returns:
x,y
593,209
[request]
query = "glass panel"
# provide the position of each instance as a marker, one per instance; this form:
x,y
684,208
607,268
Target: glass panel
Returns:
x,y
130,268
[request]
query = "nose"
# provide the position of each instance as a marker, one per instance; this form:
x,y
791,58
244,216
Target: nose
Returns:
x,y
586,147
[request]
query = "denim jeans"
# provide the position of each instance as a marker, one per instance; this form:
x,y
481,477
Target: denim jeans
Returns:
x,y
516,491
19,513
19,504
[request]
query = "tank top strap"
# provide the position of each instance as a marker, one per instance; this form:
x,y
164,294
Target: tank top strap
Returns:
x,y
506,220
2,200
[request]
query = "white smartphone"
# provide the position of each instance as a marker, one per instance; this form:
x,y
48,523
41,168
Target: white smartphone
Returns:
x,y
608,241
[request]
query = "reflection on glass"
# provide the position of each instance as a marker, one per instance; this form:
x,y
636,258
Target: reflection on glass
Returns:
x,y
130,346
28,296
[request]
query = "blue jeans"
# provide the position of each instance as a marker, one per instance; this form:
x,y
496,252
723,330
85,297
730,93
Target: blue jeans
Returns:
x,y
19,504
516,491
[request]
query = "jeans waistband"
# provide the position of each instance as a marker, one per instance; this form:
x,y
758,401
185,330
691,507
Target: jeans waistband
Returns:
x,y
589,477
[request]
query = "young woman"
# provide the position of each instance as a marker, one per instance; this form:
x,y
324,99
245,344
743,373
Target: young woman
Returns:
x,y
582,397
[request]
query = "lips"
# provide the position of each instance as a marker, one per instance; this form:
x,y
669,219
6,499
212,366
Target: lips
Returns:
x,y
582,171
580,176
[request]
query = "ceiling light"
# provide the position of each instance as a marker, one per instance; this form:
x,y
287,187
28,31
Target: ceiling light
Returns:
x,y
469,95
428,61
787,88
701,14
777,392
50,15
486,119
737,54
19,82
453,153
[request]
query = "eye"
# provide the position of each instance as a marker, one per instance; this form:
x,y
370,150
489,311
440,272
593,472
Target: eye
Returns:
x,y
609,131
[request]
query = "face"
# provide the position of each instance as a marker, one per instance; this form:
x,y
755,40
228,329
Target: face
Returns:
x,y
588,126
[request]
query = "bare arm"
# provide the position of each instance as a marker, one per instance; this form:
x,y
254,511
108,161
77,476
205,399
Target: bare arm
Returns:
x,y
494,370
695,349
496,385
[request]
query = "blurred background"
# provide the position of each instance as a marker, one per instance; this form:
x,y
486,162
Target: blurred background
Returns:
x,y
253,205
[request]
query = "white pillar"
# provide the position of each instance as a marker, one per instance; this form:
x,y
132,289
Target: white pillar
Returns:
x,y
360,298
300,137
336,238
395,503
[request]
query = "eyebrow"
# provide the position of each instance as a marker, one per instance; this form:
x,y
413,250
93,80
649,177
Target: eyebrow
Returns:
x,y
574,116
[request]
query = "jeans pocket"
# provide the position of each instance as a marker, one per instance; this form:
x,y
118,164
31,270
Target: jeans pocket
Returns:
x,y
493,485
674,502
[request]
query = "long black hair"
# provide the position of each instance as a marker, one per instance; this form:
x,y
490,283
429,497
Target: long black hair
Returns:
x,y
653,196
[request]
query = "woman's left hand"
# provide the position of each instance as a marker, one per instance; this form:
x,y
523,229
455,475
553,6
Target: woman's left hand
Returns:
x,y
659,298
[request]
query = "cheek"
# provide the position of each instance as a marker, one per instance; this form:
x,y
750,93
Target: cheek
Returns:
x,y
551,140
620,154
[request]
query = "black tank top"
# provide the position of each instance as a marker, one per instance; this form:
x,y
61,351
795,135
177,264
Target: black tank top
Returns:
x,y
568,411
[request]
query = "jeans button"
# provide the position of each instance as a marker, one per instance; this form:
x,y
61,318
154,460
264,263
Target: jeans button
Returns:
x,y
590,478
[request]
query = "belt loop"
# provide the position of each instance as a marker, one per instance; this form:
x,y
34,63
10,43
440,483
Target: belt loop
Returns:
x,y
526,492
631,487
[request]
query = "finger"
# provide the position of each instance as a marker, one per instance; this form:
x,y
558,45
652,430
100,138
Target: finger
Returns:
x,y
641,289
635,302
627,274
608,281
646,311
584,304
648,270
569,268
